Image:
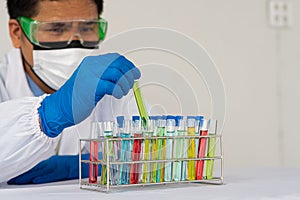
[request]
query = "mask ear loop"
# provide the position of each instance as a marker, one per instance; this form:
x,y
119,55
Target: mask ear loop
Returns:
x,y
25,62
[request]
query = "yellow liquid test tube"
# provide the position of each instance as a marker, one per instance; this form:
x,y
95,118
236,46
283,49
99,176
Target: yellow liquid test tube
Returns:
x,y
147,156
191,173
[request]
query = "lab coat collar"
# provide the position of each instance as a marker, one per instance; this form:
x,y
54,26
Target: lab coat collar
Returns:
x,y
15,81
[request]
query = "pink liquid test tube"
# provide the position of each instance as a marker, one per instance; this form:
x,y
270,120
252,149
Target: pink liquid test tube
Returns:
x,y
93,168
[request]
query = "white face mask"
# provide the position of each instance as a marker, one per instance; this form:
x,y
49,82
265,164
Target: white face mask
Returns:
x,y
55,67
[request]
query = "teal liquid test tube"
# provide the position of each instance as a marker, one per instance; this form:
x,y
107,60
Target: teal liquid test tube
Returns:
x,y
170,131
125,155
178,148
212,131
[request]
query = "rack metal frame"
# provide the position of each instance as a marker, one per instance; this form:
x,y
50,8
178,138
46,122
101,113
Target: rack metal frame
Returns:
x,y
84,184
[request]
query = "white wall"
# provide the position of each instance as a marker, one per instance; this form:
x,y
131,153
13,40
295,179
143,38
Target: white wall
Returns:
x,y
259,66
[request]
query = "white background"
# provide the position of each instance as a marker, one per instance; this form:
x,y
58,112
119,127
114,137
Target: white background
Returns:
x,y
259,65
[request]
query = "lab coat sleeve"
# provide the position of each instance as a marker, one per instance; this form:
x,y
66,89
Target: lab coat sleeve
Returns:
x,y
22,142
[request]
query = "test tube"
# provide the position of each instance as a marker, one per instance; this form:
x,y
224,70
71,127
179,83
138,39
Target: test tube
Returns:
x,y
212,131
178,148
161,145
170,131
136,151
126,149
147,151
140,104
198,123
107,128
154,151
93,168
184,171
191,147
201,149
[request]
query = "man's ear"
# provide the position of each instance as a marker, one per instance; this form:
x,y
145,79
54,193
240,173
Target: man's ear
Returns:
x,y
15,32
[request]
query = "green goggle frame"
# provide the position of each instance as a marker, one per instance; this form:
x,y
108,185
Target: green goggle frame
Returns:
x,y
28,23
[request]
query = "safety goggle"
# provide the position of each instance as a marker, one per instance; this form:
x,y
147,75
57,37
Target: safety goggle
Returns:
x,y
59,34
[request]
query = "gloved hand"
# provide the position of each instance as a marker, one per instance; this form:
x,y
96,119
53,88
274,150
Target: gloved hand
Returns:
x,y
96,76
56,168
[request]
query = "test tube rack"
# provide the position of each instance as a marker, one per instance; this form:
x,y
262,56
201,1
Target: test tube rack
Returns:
x,y
114,164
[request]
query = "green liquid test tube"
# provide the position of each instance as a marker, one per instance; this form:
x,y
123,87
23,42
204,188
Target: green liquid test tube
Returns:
x,y
108,133
211,149
148,132
140,104
161,146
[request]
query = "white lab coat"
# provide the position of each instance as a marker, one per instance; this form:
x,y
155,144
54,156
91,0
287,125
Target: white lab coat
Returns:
x,y
22,142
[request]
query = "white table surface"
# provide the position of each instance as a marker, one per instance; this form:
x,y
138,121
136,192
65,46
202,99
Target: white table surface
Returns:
x,y
261,184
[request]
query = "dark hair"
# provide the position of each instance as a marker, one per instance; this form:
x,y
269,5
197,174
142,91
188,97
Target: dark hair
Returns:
x,y
29,8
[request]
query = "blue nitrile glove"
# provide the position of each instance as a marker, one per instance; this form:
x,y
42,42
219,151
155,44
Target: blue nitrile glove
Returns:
x,y
95,77
56,168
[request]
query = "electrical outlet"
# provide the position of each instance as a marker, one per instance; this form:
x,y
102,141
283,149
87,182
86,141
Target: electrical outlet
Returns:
x,y
280,13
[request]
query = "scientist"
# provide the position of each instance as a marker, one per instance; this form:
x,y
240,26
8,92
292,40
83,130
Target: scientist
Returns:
x,y
49,86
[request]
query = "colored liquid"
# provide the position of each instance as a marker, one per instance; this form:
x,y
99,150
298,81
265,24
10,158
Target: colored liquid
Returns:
x,y
125,156
191,154
154,155
169,155
211,153
201,154
111,153
140,104
137,144
93,168
161,145
184,155
147,156
178,148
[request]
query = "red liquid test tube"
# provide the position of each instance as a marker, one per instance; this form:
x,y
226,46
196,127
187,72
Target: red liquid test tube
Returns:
x,y
93,170
137,146
201,150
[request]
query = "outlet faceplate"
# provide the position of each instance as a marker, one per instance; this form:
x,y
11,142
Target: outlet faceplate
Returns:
x,y
280,13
